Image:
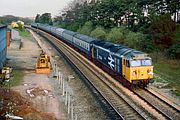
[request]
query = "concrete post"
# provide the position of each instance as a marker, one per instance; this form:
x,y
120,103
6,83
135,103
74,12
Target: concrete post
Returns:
x,y
57,70
66,99
72,112
57,75
76,117
69,103
63,87
59,78
54,74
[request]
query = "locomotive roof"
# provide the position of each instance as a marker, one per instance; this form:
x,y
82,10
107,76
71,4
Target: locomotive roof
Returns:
x,y
85,38
120,50
3,26
69,32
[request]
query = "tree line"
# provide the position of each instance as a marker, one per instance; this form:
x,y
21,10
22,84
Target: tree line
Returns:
x,y
148,25
44,18
8,19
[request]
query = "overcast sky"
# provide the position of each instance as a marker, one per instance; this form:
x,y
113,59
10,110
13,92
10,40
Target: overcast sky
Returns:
x,y
29,8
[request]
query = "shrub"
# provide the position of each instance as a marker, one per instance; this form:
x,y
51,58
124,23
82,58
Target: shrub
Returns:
x,y
99,33
116,35
134,40
174,51
86,28
147,44
73,26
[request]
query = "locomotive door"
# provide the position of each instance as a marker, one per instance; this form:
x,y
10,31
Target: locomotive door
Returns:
x,y
123,67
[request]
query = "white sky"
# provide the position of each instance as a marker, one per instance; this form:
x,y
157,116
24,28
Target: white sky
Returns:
x,y
30,8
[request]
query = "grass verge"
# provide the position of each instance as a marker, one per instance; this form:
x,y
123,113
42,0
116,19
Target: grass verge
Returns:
x,y
168,72
17,78
24,33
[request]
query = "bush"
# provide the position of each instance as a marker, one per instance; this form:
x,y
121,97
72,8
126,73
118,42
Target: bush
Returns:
x,y
70,26
147,44
73,26
134,40
99,33
116,35
174,51
86,29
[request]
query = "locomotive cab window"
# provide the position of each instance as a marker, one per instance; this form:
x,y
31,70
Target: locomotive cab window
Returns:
x,y
146,62
135,63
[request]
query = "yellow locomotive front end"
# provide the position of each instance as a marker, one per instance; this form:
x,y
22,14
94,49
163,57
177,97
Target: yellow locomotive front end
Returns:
x,y
138,70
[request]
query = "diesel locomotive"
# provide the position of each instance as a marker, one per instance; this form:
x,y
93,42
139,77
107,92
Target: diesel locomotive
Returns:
x,y
129,66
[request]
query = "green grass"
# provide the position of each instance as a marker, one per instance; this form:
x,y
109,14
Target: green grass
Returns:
x,y
168,71
17,78
24,33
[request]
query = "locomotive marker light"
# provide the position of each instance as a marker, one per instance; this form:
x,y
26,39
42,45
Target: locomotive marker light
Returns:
x,y
111,61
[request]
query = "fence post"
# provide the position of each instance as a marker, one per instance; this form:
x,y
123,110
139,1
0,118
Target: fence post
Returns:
x,y
59,78
66,99
72,112
69,103
63,87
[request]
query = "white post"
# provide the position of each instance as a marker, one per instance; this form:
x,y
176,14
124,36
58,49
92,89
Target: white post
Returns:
x,y
69,102
59,78
66,99
57,74
75,116
54,69
72,112
57,70
63,87
61,81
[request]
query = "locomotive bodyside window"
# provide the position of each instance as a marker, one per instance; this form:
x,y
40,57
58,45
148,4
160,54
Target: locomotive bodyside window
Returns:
x,y
124,61
127,63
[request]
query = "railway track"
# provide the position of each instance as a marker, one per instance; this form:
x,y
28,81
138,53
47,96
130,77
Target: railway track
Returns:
x,y
166,109
119,103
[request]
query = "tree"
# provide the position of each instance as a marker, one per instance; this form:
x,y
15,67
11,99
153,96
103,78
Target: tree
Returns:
x,y
134,40
37,19
46,18
162,29
116,35
87,28
99,33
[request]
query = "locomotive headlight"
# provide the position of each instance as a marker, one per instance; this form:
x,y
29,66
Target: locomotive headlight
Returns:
x,y
149,71
134,72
